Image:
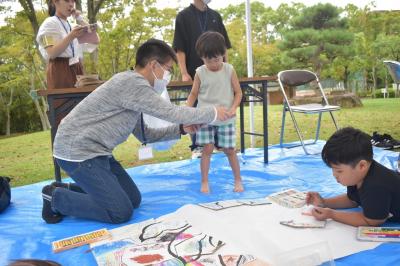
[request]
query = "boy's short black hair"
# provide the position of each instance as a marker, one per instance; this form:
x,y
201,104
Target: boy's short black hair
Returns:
x,y
154,49
347,146
210,44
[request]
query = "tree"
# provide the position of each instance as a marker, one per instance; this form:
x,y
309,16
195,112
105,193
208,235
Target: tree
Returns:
x,y
387,46
6,103
261,17
318,36
265,51
376,33
341,66
283,15
20,70
124,29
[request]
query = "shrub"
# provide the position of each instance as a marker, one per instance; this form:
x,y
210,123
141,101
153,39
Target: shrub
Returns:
x,y
390,93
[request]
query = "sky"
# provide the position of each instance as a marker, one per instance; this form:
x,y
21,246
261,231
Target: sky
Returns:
x,y
216,4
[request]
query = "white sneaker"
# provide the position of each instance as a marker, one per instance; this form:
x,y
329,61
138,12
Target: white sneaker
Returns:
x,y
196,153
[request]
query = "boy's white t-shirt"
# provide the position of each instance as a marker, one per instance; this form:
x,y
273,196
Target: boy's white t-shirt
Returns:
x,y
51,32
216,89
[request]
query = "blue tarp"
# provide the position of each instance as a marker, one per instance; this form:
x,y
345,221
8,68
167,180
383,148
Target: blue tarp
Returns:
x,y
166,187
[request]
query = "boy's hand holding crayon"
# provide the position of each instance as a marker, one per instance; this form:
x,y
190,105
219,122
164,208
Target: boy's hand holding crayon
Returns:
x,y
321,213
315,199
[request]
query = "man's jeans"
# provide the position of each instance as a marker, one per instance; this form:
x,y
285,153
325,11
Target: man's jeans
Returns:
x,y
111,195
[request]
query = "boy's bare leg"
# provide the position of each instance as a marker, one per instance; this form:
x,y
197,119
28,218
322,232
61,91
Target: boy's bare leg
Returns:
x,y
234,162
205,167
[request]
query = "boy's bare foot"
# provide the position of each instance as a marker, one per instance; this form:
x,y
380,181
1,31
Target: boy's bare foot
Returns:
x,y
238,187
204,188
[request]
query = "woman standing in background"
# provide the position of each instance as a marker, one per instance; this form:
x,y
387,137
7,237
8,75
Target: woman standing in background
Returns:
x,y
59,45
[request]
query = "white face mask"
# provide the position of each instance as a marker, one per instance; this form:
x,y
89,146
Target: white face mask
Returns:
x,y
206,2
161,84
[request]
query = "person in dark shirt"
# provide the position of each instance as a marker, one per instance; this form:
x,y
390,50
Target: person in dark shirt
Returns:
x,y
370,185
190,23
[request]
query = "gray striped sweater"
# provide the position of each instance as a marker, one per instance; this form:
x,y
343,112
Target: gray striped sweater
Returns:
x,y
107,116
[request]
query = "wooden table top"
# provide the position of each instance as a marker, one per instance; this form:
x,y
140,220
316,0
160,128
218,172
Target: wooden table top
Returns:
x,y
173,84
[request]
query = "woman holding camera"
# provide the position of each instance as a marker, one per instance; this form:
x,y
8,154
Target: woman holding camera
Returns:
x,y
59,45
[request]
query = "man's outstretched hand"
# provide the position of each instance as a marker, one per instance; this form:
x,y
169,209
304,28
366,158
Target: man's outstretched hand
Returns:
x,y
223,114
191,129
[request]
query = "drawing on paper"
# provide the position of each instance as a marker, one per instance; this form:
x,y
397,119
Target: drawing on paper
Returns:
x,y
221,205
158,242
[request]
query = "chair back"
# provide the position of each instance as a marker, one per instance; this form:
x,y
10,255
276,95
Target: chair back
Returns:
x,y
301,78
296,77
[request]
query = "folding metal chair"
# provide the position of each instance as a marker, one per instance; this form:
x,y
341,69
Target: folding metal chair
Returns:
x,y
294,79
394,70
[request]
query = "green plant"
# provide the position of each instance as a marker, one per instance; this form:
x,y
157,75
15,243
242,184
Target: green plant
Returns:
x,y
379,93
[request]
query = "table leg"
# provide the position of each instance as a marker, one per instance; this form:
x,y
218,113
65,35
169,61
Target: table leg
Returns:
x,y
53,124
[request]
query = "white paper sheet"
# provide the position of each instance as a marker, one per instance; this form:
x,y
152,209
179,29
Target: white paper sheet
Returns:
x,y
256,230
131,242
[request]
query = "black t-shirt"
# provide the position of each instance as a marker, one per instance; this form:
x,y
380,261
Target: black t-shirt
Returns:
x,y
190,23
379,194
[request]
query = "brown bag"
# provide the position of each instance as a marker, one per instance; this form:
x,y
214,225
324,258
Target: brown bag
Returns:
x,y
86,80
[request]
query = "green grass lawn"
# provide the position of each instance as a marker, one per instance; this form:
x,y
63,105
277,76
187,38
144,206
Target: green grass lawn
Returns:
x,y
27,158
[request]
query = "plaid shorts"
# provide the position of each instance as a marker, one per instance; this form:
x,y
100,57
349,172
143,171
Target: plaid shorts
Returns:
x,y
226,135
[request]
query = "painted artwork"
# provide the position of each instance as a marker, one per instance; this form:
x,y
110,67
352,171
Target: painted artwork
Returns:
x,y
221,205
290,198
158,242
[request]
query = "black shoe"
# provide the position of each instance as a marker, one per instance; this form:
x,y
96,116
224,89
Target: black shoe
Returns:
x,y
387,138
379,141
48,214
376,137
384,145
69,186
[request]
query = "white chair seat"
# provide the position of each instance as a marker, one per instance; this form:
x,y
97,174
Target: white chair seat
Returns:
x,y
314,108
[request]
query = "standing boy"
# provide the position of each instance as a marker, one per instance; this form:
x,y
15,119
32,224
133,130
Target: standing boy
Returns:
x,y
370,185
190,23
216,84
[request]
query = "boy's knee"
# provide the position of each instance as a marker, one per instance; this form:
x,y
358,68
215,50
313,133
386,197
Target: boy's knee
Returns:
x,y
121,215
229,151
208,149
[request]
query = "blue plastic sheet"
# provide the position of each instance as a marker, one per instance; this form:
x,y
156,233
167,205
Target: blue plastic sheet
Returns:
x,y
166,187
